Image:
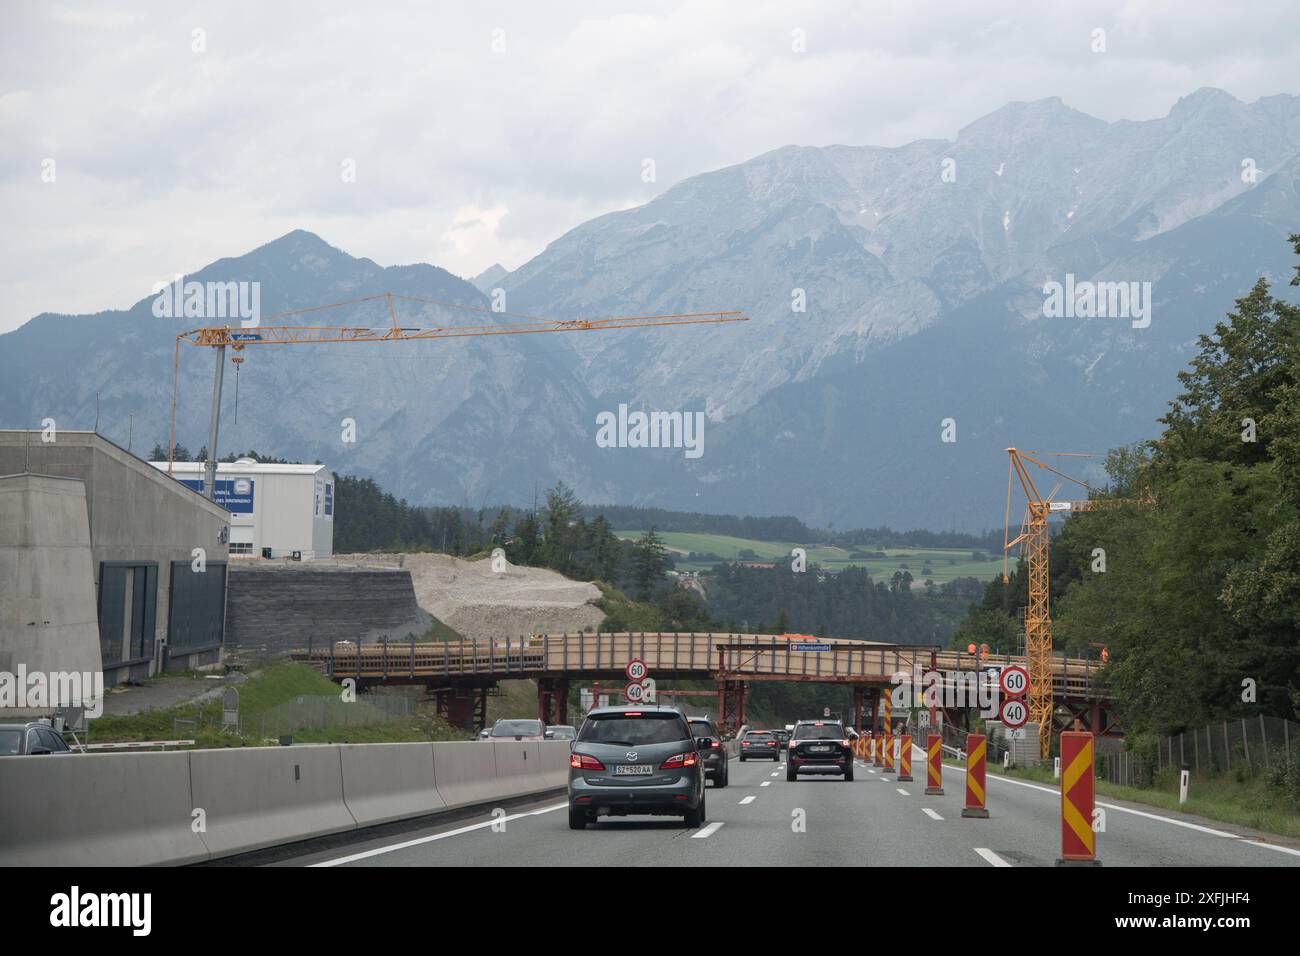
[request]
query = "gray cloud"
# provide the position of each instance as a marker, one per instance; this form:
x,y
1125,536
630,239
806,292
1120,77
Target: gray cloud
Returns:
x,y
168,159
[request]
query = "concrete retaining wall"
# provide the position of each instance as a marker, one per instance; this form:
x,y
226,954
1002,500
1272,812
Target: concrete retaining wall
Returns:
x,y
137,808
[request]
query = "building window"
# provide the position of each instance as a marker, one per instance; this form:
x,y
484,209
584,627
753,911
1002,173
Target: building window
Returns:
x,y
128,606
241,547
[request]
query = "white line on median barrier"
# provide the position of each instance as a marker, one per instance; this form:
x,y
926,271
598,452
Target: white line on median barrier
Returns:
x,y
747,800
379,851
708,831
992,857
930,813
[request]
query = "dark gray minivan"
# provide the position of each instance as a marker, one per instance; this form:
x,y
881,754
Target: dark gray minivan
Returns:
x,y
636,760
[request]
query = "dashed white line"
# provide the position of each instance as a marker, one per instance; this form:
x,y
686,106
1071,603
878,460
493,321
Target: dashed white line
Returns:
x,y
378,851
902,791
749,799
930,813
708,831
990,856
766,783
775,773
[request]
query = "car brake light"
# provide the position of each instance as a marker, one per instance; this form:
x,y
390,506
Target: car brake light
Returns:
x,y
715,745
678,761
744,743
585,762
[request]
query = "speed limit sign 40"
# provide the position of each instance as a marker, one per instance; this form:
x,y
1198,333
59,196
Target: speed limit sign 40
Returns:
x,y
634,692
1014,680
1014,713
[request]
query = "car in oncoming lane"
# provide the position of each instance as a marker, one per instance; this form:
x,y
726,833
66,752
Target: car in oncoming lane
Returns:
x,y
32,738
760,745
508,728
636,760
716,760
561,732
819,746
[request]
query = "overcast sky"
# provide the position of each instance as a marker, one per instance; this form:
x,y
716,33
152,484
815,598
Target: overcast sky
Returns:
x,y
482,131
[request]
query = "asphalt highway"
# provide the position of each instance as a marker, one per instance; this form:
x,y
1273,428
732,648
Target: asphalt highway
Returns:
x,y
763,820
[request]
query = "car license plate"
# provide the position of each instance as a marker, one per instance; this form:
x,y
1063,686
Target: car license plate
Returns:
x,y
820,750
633,770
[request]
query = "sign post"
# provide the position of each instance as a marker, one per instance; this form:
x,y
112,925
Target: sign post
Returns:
x,y
1078,841
934,766
976,753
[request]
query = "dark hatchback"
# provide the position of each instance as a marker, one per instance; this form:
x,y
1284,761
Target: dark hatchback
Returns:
x,y
30,739
760,745
819,746
636,760
715,756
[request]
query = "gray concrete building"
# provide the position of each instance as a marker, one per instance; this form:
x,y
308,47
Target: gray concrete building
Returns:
x,y
158,557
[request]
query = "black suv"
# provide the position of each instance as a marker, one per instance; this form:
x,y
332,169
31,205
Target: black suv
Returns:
x,y
819,746
715,757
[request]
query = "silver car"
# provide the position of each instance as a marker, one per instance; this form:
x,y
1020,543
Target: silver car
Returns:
x,y
633,761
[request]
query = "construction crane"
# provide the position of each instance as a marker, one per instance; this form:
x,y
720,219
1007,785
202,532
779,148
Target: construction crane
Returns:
x,y
238,338
1034,540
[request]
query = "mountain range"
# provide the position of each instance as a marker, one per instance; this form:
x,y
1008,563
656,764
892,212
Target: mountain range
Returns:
x,y
895,299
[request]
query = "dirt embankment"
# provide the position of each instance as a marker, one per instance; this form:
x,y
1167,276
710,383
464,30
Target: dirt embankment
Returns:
x,y
476,601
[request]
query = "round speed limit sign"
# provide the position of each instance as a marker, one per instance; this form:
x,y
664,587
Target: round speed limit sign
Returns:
x,y
635,692
1014,680
1014,713
636,669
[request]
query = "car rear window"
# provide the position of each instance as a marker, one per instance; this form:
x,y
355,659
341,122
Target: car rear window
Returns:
x,y
701,728
819,732
521,728
628,731
10,742
759,735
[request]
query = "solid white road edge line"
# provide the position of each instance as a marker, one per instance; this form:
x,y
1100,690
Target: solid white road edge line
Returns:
x,y
379,851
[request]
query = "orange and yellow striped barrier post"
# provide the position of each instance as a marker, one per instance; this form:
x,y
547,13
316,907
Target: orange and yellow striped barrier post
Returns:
x,y
889,753
976,754
934,766
905,759
1078,841
878,751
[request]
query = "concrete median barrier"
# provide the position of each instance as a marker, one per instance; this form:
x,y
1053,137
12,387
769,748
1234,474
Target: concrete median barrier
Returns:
x,y
555,762
519,768
103,810
385,782
465,773
256,797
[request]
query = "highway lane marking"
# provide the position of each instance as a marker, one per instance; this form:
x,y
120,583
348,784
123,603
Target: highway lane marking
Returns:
x,y
930,813
992,857
766,783
902,791
775,773
379,851
749,799
708,831
1250,841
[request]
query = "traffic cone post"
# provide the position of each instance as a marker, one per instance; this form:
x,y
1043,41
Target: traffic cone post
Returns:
x,y
933,766
1078,841
976,753
905,758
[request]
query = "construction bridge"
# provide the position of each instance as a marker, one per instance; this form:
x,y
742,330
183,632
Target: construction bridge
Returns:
x,y
462,673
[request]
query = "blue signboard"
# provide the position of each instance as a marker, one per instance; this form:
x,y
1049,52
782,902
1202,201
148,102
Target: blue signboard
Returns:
x,y
329,499
233,494
810,647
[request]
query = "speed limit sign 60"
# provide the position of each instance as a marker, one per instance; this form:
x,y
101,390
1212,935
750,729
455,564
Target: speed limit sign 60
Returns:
x,y
1014,680
1014,713
636,669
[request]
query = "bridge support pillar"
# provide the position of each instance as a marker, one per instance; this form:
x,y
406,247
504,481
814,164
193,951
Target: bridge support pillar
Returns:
x,y
731,705
464,707
553,700
859,705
